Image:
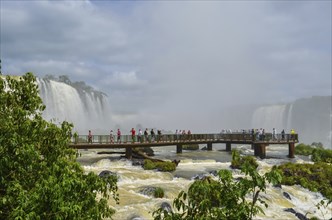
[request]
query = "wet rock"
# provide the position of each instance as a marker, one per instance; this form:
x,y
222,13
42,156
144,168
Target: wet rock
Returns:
x,y
147,150
167,207
297,214
204,148
137,162
147,190
106,173
200,176
286,194
278,186
291,210
301,216
136,218
176,162
214,173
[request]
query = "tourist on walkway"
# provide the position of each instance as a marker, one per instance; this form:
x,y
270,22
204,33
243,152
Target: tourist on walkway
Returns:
x,y
274,134
146,135
133,135
292,133
283,134
119,136
153,135
159,135
111,137
90,137
139,136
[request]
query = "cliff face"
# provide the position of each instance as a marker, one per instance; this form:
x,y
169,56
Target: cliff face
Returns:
x,y
310,117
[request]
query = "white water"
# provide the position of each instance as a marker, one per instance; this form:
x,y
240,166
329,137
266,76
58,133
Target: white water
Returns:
x,y
132,178
64,103
269,117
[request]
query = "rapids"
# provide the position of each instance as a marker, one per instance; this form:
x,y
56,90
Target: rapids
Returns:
x,y
134,205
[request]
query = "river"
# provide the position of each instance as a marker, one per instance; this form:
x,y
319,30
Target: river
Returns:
x,y
135,205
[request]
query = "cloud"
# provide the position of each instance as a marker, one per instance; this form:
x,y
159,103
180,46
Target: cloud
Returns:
x,y
175,62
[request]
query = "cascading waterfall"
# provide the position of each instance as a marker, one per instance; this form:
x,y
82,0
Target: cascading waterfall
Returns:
x,y
289,118
310,117
86,110
269,117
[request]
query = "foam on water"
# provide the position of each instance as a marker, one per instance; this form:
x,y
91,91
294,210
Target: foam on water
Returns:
x,y
133,178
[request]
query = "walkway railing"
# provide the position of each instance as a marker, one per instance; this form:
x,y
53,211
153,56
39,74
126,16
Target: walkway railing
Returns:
x,y
173,138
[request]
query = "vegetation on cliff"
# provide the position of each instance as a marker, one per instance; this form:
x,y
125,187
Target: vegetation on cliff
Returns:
x,y
39,175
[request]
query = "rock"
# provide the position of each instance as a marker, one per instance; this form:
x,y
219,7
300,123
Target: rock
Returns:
x,y
136,218
147,150
190,147
148,190
278,186
301,216
297,214
176,162
137,162
287,195
167,207
291,210
214,173
204,148
106,173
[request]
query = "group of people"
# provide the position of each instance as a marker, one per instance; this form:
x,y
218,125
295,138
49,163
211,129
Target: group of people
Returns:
x,y
140,135
259,134
151,136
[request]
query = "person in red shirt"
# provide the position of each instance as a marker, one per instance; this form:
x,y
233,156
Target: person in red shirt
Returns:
x,y
133,134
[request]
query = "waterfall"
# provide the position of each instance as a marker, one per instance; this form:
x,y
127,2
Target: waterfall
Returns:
x,y
289,118
310,117
86,110
269,117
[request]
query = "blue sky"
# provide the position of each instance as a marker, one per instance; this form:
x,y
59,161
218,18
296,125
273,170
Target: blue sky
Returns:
x,y
169,58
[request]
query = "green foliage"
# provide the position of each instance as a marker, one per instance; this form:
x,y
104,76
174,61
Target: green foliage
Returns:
x,y
39,175
319,154
316,177
159,193
224,198
238,161
190,147
303,149
322,155
165,166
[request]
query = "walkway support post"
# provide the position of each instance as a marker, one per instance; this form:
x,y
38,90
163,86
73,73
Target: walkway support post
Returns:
x,y
179,148
209,146
228,146
291,150
260,150
129,152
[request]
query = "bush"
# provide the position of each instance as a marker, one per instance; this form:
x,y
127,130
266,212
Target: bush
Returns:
x,y
159,193
238,161
302,149
164,166
315,177
322,155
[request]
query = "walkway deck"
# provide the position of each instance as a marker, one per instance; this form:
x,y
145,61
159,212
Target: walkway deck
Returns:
x,y
127,142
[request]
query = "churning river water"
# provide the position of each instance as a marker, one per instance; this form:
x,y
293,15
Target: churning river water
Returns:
x,y
132,179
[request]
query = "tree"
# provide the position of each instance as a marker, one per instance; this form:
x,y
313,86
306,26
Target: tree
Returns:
x,y
39,175
224,198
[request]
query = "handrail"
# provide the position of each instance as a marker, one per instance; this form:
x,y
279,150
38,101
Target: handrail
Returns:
x,y
174,138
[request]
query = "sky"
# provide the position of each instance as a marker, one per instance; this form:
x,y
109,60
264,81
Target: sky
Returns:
x,y
174,63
